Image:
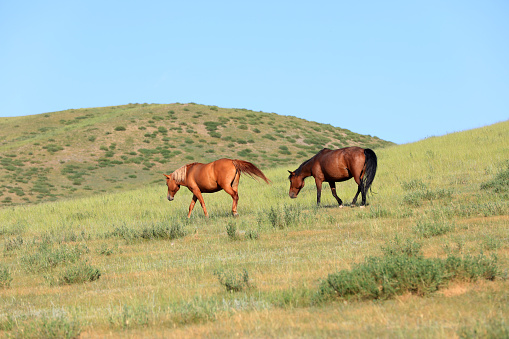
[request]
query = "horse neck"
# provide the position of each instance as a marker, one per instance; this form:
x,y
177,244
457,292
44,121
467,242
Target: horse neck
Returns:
x,y
180,175
304,169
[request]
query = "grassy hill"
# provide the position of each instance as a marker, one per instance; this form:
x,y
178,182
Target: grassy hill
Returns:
x,y
83,151
130,264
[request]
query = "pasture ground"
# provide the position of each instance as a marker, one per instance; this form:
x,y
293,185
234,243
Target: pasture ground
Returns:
x,y
159,272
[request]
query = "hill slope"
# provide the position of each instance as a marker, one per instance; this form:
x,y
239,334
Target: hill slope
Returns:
x,y
82,151
162,274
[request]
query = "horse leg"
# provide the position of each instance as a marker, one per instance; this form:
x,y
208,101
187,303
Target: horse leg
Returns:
x,y
318,191
354,201
361,190
193,202
235,196
232,188
197,195
334,194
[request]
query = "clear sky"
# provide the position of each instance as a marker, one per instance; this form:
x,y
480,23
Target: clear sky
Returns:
x,y
399,70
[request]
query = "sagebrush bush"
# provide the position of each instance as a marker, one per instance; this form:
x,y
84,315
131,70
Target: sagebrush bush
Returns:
x,y
233,280
46,257
231,230
283,216
471,268
499,184
432,228
252,235
398,272
13,244
408,247
47,327
159,230
5,276
79,273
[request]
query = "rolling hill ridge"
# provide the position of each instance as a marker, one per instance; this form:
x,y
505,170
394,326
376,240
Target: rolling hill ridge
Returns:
x,y
84,151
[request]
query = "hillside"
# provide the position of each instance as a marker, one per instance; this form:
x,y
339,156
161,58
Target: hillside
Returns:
x,y
131,264
84,151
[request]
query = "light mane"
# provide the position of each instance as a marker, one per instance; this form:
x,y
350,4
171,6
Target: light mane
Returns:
x,y
179,175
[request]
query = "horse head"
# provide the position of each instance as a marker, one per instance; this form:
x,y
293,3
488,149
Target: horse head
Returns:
x,y
173,187
296,184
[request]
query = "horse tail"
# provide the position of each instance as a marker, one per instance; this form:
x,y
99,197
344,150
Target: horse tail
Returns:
x,y
370,165
249,169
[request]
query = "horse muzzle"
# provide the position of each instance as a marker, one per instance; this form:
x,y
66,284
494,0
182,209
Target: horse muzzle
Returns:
x,y
170,198
293,195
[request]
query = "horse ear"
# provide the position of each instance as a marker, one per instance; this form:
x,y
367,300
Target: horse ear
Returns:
x,y
291,172
167,176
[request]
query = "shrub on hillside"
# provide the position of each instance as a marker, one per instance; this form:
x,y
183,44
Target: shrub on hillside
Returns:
x,y
398,273
499,184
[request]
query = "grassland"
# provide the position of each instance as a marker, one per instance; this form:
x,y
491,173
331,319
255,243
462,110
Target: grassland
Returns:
x,y
82,152
162,275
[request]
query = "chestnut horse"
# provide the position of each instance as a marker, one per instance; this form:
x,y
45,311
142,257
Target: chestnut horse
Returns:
x,y
222,174
335,166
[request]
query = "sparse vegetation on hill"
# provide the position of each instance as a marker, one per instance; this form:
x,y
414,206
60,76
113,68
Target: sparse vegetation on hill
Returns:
x,y
84,151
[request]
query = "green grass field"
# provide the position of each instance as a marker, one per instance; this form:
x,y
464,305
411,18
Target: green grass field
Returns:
x,y
130,264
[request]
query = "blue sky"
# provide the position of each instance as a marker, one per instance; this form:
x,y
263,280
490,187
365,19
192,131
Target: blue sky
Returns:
x,y
400,70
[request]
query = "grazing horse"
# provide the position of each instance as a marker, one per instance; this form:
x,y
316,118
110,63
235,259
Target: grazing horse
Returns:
x,y
222,174
335,166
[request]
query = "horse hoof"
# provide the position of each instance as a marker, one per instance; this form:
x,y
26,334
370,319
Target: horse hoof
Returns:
x,y
340,206
235,214
362,206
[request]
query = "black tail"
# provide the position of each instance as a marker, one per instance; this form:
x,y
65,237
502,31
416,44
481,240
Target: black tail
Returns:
x,y
369,171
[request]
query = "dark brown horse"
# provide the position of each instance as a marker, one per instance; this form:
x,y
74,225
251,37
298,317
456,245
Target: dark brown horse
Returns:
x,y
222,174
335,166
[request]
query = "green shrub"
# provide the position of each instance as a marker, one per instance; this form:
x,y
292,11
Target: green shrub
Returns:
x,y
252,235
52,148
231,230
45,257
78,274
283,216
5,276
233,281
491,243
159,230
432,228
397,246
413,185
195,311
471,268
120,128
245,153
499,184
13,244
48,327
395,274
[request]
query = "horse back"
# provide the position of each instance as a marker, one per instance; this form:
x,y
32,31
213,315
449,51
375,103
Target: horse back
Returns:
x,y
341,164
210,177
